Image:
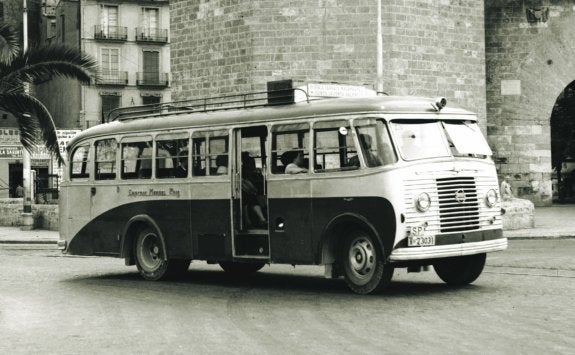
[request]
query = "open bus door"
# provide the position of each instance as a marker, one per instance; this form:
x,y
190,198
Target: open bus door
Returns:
x,y
249,194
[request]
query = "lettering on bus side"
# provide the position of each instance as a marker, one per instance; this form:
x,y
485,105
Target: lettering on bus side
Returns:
x,y
154,193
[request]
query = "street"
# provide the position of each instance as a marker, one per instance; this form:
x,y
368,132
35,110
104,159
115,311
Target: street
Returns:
x,y
51,303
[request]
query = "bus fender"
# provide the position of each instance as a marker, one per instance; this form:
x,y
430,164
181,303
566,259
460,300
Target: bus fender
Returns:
x,y
337,228
129,233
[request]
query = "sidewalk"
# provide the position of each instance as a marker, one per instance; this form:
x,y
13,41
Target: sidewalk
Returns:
x,y
550,222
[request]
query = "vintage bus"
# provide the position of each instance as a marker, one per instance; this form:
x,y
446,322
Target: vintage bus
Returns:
x,y
379,183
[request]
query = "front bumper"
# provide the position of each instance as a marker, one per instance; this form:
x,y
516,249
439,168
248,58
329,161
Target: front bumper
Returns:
x,y
446,251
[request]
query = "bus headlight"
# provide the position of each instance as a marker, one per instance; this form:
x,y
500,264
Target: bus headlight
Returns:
x,y
422,202
491,198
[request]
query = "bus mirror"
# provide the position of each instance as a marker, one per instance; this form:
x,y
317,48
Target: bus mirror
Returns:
x,y
439,103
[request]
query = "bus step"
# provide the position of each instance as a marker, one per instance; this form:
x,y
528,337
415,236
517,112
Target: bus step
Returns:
x,y
254,244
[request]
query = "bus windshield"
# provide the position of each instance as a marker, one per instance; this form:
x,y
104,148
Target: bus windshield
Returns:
x,y
465,139
420,139
417,139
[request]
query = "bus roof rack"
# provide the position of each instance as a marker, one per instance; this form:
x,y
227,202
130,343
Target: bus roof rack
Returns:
x,y
207,104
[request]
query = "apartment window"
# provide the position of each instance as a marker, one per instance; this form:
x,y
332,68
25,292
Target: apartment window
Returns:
x,y
151,65
109,20
110,63
109,102
150,19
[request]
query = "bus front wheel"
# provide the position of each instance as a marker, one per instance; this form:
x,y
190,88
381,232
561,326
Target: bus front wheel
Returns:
x,y
461,270
151,258
364,266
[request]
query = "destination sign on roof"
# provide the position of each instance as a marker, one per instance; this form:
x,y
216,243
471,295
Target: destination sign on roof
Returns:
x,y
334,90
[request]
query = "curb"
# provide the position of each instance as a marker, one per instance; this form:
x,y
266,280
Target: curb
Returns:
x,y
24,241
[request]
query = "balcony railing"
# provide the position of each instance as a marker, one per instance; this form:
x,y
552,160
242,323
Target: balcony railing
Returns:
x,y
111,33
152,79
113,77
154,35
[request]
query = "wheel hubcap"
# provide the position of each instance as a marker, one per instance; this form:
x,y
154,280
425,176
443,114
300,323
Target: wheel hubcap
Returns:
x,y
362,258
150,252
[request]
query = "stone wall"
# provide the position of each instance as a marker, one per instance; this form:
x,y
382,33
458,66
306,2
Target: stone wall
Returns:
x,y
431,47
45,216
529,63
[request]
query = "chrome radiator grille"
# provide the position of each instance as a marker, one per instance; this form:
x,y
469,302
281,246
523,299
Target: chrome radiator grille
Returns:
x,y
458,204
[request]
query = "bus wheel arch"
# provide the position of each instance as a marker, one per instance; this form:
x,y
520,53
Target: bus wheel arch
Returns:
x,y
144,245
336,230
130,236
357,251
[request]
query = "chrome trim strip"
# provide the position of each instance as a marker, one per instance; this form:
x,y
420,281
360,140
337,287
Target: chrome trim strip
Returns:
x,y
445,251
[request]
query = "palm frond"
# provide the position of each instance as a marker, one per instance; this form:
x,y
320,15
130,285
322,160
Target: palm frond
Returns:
x,y
34,122
9,44
51,60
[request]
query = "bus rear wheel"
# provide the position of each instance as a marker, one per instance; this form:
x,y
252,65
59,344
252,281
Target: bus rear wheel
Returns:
x,y
151,259
364,266
461,270
240,269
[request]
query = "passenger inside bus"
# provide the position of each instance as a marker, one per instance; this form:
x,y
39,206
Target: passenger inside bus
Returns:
x,y
222,165
252,193
294,162
181,169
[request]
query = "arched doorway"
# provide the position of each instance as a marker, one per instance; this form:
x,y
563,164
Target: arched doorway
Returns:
x,y
563,145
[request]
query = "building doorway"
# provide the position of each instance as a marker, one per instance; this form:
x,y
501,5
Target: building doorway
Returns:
x,y
15,178
563,145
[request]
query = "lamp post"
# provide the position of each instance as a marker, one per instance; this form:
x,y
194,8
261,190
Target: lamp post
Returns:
x,y
379,49
27,217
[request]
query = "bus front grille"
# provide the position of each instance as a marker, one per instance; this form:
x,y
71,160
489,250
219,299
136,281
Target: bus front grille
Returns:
x,y
458,204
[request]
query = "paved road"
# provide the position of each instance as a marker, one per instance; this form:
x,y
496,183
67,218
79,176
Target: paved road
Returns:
x,y
53,304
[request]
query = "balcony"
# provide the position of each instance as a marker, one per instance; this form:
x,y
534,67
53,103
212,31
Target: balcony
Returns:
x,y
152,79
111,33
113,77
151,35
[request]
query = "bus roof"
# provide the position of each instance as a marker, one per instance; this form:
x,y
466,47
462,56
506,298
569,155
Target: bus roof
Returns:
x,y
313,108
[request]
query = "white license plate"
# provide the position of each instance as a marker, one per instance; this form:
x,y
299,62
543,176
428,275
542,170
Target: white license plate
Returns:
x,y
421,241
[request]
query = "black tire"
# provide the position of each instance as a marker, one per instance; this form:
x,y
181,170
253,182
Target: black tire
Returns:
x,y
151,258
241,269
364,265
461,270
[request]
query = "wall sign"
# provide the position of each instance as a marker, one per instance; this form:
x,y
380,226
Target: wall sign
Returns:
x,y
511,87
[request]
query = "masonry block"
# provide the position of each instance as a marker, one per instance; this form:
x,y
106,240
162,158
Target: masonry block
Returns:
x,y
519,214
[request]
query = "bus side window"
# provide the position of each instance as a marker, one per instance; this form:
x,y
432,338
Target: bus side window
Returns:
x,y
289,138
334,147
218,154
79,162
171,156
210,153
137,160
105,159
374,141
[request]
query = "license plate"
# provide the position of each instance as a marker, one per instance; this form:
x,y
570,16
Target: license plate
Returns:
x,y
421,241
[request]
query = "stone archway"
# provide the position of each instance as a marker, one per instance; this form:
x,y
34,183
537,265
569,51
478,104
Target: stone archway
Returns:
x,y
563,144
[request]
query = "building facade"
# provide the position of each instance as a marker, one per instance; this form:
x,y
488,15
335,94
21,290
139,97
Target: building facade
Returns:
x,y
11,167
507,60
130,40
131,43
529,65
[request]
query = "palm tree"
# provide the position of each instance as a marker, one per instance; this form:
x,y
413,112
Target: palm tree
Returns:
x,y
18,68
